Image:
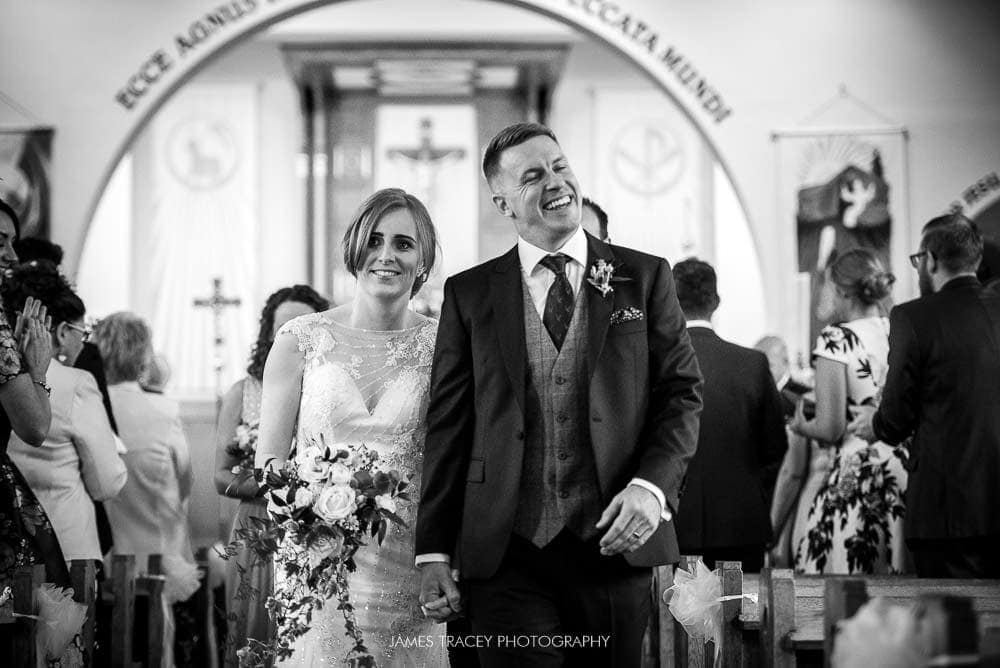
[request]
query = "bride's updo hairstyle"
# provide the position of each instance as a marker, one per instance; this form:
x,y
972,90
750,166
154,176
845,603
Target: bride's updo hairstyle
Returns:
x,y
371,212
861,276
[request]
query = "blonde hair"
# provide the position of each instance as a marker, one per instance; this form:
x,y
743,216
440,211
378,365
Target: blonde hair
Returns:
x,y
126,345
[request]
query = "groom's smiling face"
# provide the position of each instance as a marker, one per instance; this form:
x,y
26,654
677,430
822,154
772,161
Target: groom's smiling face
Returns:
x,y
536,188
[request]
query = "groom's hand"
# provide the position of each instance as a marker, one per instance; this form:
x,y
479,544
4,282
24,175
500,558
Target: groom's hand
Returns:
x,y
439,594
633,516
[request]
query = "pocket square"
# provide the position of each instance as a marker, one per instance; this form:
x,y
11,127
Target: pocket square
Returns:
x,y
626,314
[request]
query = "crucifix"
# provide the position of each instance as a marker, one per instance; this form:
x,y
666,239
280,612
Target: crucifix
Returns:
x,y
218,303
427,159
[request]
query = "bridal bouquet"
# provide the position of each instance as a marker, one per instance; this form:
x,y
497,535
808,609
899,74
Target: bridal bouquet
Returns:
x,y
322,508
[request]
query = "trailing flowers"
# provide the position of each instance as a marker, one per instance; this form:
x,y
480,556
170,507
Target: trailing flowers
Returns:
x,y
322,507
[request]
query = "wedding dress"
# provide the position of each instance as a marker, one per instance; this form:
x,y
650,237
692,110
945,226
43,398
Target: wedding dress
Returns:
x,y
370,387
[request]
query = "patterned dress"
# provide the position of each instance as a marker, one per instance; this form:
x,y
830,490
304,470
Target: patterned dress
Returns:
x,y
248,582
26,535
371,387
855,521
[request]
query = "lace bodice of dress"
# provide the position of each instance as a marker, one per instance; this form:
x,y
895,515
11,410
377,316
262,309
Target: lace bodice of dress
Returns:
x,y
364,387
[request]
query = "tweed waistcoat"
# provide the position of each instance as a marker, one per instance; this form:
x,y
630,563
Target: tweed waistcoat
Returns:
x,y
559,479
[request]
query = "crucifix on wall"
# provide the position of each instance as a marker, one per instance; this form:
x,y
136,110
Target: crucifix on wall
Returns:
x,y
218,303
426,160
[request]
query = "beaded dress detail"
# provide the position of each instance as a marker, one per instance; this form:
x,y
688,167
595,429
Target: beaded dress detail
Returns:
x,y
371,387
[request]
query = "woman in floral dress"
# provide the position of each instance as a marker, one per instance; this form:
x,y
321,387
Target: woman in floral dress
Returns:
x,y
26,535
855,522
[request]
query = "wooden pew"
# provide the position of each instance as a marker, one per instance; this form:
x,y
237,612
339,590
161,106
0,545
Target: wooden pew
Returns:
x,y
83,576
122,592
793,613
20,629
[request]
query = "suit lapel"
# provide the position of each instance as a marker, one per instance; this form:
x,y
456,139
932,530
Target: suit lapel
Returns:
x,y
599,306
507,297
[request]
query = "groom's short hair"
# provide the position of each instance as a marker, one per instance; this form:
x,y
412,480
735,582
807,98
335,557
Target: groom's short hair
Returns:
x,y
512,135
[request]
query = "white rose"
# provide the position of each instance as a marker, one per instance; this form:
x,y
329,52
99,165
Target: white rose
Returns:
x,y
312,466
303,497
335,503
386,501
340,474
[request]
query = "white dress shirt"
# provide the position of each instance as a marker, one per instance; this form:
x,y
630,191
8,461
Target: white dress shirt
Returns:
x,y
77,462
539,279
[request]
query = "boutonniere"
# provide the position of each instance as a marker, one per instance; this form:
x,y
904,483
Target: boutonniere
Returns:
x,y
602,275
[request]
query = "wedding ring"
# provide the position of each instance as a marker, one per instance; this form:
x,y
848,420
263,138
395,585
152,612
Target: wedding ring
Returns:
x,y
636,534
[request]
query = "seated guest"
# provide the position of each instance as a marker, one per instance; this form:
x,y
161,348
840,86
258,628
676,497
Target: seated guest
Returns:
x,y
149,515
78,461
854,523
723,513
944,386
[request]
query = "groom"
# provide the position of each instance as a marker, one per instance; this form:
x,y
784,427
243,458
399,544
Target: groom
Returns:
x,y
563,411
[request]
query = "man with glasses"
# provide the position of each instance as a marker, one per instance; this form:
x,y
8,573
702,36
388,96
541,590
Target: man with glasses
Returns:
x,y
943,387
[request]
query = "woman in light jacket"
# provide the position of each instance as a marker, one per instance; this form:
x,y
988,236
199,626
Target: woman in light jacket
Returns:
x,y
149,515
79,459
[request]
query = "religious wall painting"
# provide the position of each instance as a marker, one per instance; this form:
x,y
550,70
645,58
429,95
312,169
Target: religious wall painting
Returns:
x,y
25,177
651,173
195,221
840,191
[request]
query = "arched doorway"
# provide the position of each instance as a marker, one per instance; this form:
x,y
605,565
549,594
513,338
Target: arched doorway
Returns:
x,y
610,149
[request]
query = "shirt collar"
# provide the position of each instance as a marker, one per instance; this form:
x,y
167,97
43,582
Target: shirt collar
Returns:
x,y
575,247
700,323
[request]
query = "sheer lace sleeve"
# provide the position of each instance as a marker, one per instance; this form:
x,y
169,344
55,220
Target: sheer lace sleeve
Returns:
x,y
10,359
313,340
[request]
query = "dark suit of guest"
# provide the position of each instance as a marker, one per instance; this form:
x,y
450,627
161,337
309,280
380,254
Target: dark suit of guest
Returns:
x,y
526,445
723,513
90,360
943,386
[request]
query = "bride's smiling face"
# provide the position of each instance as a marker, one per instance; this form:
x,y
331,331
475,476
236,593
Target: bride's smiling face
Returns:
x,y
392,257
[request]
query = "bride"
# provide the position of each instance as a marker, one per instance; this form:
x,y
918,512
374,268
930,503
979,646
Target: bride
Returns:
x,y
359,373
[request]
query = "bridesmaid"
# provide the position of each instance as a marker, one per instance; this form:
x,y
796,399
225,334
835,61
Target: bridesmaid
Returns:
x,y
240,415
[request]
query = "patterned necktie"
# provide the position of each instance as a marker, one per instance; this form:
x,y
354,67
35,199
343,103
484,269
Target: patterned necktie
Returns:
x,y
559,302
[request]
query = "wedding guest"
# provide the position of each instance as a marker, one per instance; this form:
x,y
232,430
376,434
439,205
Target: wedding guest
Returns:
x,y
790,390
723,512
154,380
944,387
89,359
594,219
236,442
149,515
854,523
26,536
79,460
989,267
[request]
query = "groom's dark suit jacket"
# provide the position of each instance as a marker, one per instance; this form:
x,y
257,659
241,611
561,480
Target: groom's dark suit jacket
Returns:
x,y
944,384
644,398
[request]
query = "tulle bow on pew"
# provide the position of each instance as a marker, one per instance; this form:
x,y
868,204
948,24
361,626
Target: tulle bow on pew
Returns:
x,y
696,603
58,619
